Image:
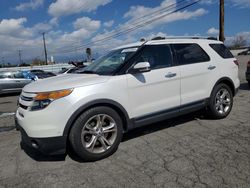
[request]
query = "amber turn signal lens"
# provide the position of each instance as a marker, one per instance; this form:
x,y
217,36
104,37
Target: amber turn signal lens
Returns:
x,y
53,95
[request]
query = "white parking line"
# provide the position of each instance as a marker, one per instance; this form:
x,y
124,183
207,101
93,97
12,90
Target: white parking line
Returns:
x,y
7,114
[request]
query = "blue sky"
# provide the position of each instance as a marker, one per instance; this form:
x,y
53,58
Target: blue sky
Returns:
x,y
72,24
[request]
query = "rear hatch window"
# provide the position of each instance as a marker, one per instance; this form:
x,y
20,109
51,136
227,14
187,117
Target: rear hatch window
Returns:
x,y
222,50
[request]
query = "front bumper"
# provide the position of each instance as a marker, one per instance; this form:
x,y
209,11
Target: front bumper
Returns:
x,y
47,146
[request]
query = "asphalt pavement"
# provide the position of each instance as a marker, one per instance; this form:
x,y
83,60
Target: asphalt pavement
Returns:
x,y
189,151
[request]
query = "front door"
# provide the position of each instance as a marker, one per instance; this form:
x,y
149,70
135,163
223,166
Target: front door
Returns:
x,y
157,90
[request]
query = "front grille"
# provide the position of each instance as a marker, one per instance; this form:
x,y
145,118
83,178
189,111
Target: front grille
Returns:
x,y
26,98
23,106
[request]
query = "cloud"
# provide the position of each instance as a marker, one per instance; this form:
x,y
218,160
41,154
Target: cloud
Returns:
x,y
241,3
86,22
15,36
141,14
68,7
33,4
14,27
54,21
153,35
84,28
213,31
236,3
42,27
132,16
208,2
108,23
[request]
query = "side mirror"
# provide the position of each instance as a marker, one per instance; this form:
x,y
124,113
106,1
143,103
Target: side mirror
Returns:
x,y
140,68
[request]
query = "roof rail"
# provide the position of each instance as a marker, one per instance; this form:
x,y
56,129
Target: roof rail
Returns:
x,y
185,37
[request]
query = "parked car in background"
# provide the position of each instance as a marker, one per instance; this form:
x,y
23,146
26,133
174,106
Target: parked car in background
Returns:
x,y
41,74
11,81
34,71
246,52
68,70
248,73
71,70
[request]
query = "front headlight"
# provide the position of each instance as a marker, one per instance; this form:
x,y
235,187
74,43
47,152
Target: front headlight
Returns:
x,y
43,99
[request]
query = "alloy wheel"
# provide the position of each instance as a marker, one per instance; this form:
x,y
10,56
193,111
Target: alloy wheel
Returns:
x,y
99,133
222,101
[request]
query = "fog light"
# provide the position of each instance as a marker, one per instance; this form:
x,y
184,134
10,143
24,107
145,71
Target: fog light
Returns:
x,y
34,144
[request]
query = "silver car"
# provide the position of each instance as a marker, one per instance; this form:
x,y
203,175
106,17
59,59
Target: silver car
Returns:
x,y
11,82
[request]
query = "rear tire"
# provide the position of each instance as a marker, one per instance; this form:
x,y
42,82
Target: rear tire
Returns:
x,y
96,134
220,102
249,83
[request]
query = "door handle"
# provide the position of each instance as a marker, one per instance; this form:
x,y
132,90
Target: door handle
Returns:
x,y
170,75
211,67
17,81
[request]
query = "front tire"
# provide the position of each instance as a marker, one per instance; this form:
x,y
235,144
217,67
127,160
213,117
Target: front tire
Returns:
x,y
221,101
96,134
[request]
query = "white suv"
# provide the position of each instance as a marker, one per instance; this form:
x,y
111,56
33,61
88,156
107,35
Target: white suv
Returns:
x,y
131,86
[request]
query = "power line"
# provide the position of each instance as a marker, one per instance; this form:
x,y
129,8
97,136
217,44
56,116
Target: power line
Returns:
x,y
143,18
135,23
141,24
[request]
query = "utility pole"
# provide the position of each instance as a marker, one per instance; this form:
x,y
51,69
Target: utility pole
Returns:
x,y
222,15
45,50
20,56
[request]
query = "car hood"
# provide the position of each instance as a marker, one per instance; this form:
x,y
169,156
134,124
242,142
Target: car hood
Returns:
x,y
65,81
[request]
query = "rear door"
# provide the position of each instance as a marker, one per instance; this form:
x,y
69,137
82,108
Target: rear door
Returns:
x,y
158,90
20,80
197,72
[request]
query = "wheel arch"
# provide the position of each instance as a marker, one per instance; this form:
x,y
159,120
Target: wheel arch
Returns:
x,y
228,82
100,102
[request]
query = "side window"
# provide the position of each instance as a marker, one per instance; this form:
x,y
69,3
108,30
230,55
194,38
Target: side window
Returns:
x,y
190,53
222,50
18,75
159,56
3,75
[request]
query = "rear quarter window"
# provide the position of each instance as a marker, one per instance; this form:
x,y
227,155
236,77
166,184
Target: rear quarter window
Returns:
x,y
190,53
222,50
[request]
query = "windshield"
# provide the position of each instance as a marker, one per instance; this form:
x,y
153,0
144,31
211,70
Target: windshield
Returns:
x,y
109,63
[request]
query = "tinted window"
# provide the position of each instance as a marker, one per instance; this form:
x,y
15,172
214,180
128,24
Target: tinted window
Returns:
x,y
190,53
18,75
158,56
5,75
222,50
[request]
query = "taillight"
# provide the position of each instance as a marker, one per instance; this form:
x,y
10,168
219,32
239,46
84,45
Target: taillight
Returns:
x,y
236,62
